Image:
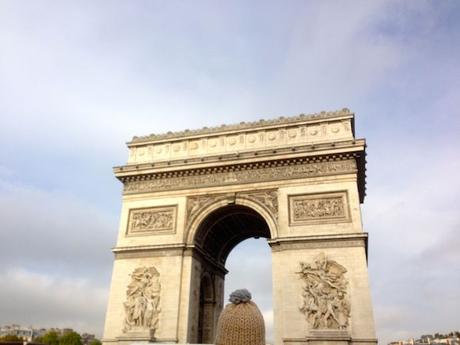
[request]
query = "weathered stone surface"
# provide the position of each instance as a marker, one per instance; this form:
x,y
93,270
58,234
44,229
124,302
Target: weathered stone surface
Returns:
x,y
287,131
142,306
152,220
296,181
325,301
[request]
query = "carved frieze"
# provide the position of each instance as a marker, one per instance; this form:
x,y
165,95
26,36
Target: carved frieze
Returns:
x,y
142,306
249,173
325,300
318,208
245,125
286,131
152,220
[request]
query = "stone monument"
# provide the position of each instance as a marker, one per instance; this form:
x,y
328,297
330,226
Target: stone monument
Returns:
x,y
190,197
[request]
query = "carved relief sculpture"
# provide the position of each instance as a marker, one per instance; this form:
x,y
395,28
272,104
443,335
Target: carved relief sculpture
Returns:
x,y
142,306
268,198
325,301
318,208
248,174
195,204
153,219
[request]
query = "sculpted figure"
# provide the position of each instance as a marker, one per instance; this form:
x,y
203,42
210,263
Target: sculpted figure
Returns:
x,y
142,306
324,298
343,307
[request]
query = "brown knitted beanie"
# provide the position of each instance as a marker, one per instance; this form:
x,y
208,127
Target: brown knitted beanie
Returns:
x,y
241,322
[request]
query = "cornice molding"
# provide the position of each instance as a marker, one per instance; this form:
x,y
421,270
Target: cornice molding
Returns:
x,y
241,126
240,174
319,241
318,149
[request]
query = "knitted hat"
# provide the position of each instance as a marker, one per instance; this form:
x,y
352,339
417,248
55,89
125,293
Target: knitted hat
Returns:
x,y
241,322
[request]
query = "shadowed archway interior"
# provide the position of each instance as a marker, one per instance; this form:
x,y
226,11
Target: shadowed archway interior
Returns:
x,y
220,232
225,228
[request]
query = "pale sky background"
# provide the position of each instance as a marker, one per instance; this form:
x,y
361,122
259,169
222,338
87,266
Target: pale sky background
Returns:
x,y
79,78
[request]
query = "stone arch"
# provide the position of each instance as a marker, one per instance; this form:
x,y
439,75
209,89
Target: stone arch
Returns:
x,y
214,231
224,228
234,176
196,220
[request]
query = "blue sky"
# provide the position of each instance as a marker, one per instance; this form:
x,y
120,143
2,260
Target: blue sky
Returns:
x,y
79,78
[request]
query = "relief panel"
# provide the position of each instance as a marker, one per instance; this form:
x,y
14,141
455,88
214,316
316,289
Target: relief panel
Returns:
x,y
152,221
307,209
142,306
325,300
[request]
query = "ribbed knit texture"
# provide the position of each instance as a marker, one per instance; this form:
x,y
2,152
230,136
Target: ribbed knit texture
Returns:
x,y
241,324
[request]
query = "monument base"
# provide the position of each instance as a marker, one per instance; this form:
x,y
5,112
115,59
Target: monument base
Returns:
x,y
126,341
330,341
329,337
138,336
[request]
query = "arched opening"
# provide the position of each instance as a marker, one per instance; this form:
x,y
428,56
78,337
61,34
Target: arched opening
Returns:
x,y
250,266
216,236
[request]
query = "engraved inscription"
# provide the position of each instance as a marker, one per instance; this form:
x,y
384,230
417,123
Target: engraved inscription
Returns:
x,y
325,301
152,220
318,208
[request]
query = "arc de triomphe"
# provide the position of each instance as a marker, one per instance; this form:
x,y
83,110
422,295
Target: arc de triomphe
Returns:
x,y
190,197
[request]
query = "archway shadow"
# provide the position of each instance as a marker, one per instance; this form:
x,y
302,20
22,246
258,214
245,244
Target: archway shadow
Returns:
x,y
216,236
